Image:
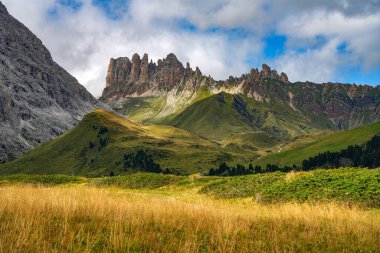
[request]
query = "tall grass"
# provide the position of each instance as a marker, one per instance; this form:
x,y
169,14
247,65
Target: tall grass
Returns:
x,y
87,219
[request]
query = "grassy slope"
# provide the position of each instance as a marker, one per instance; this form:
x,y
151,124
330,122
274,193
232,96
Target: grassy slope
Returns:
x,y
212,117
261,141
71,153
224,115
347,185
307,146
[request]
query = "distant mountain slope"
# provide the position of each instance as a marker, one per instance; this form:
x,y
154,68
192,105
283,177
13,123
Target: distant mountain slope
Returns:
x,y
39,100
261,141
308,146
97,145
224,115
151,92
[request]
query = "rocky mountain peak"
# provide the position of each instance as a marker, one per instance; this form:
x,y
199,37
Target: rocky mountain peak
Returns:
x,y
266,70
144,68
172,58
171,61
139,76
284,77
136,68
145,58
3,9
255,76
198,72
116,76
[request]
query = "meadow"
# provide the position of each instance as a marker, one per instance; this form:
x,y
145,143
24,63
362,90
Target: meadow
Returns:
x,y
162,213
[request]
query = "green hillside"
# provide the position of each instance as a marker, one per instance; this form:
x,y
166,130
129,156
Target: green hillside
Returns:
x,y
223,115
258,139
311,145
97,145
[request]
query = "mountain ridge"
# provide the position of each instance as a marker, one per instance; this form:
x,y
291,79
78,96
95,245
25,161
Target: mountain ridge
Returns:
x,y
174,87
139,77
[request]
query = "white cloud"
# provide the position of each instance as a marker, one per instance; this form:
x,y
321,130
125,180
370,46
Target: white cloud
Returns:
x,y
317,65
82,41
359,34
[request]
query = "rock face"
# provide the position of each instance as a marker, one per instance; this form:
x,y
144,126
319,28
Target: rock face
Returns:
x,y
39,100
126,78
343,105
137,77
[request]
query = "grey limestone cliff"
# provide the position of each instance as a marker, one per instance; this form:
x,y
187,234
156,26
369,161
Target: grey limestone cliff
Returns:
x,y
39,100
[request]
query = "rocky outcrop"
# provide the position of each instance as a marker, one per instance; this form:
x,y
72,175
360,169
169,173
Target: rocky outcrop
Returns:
x,y
324,105
39,100
284,77
130,78
137,77
144,69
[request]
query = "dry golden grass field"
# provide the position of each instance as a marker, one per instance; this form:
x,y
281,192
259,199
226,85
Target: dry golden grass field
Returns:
x,y
83,218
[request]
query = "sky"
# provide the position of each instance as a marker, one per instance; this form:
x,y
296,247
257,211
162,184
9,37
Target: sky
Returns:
x,y
319,41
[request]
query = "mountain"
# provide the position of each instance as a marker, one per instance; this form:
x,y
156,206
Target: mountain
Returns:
x,y
162,92
308,146
148,91
39,100
104,142
101,142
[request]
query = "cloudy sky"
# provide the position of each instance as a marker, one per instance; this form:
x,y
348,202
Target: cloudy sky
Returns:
x,y
325,40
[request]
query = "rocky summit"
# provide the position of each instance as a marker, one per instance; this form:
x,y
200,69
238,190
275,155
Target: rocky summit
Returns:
x,y
139,77
39,100
156,92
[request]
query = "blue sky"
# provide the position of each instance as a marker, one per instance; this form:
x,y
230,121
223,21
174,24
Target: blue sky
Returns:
x,y
320,41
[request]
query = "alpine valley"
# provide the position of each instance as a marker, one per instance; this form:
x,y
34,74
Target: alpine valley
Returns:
x,y
180,119
190,123
168,159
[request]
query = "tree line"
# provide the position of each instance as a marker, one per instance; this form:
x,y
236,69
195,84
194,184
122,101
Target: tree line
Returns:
x,y
366,155
142,161
239,170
